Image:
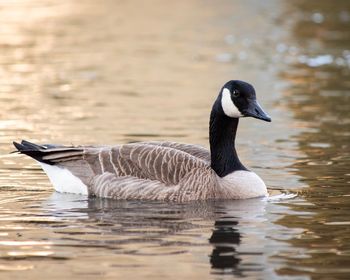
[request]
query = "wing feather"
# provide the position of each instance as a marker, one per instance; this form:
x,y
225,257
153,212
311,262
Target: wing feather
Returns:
x,y
108,185
194,150
165,164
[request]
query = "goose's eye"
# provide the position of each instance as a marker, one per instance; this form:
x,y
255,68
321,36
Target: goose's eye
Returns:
x,y
235,93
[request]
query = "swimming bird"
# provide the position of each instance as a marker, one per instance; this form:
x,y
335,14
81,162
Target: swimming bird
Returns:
x,y
167,171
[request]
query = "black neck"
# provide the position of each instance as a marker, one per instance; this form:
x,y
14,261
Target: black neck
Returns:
x,y
222,135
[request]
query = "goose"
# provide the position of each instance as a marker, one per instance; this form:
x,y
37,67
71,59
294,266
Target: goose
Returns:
x,y
166,171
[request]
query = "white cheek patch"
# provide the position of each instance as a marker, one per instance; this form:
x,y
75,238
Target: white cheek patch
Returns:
x,y
228,106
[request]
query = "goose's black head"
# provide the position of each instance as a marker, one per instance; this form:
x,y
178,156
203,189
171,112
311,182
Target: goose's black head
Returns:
x,y
238,99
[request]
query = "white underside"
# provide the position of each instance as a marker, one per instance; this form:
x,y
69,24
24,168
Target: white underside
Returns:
x,y
243,184
63,180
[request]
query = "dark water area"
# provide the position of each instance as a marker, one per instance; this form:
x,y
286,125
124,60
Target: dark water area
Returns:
x,y
109,72
324,139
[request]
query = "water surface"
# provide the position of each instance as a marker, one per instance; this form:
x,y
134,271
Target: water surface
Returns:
x,y
107,72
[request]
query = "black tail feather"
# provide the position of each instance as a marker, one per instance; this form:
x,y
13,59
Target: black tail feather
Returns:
x,y
30,145
31,149
39,152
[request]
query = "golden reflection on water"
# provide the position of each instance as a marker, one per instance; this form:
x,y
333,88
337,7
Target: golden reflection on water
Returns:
x,y
108,71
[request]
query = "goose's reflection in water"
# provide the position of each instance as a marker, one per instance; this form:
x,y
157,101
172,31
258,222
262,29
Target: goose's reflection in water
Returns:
x,y
225,239
137,228
239,228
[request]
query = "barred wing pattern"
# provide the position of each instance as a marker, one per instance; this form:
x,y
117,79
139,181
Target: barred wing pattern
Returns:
x,y
146,170
194,150
127,187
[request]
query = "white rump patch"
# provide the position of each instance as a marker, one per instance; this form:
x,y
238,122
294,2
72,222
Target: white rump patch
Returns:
x,y
228,106
63,180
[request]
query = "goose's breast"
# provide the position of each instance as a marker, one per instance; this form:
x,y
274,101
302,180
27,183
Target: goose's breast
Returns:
x,y
242,184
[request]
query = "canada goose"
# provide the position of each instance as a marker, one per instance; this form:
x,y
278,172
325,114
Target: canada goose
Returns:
x,y
161,170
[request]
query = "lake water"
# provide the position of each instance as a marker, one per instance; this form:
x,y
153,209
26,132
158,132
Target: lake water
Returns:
x,y
104,72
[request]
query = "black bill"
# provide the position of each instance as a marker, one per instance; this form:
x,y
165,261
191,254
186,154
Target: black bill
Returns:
x,y
254,110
